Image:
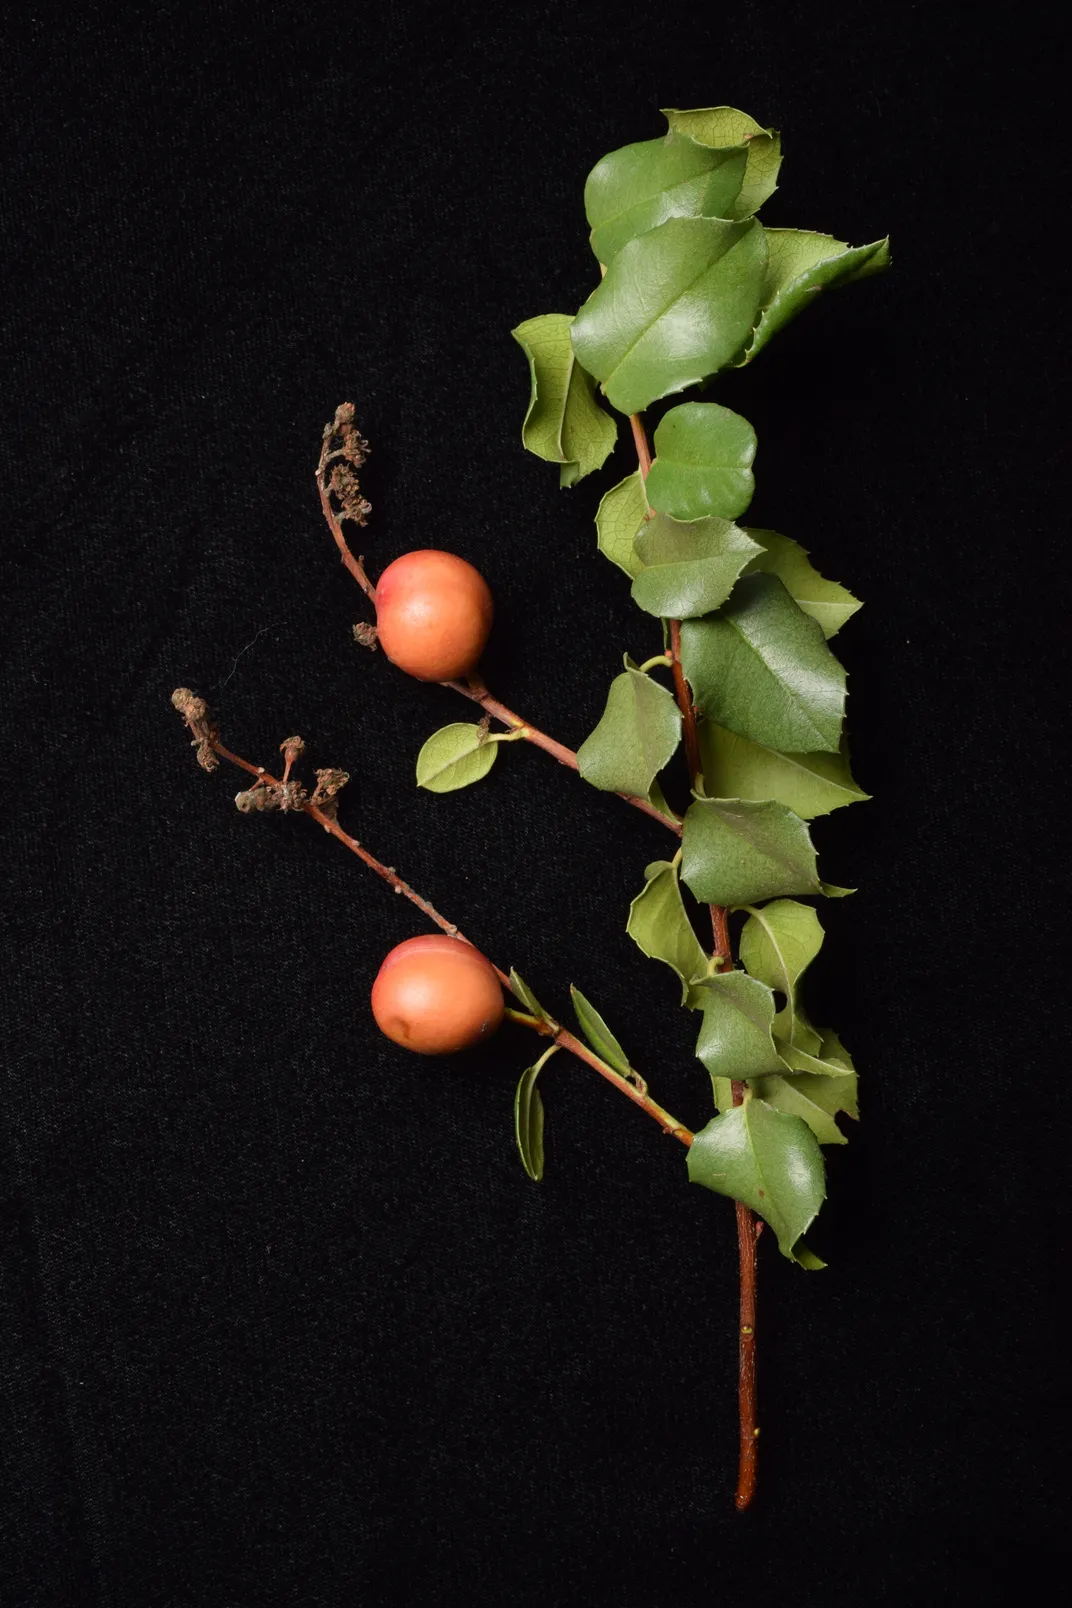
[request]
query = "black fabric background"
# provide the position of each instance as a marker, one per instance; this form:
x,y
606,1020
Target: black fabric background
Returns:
x,y
282,1320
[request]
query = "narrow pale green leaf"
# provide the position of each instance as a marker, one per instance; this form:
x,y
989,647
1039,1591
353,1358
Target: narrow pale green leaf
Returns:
x,y
778,944
810,784
814,1099
640,186
523,992
761,667
659,925
826,601
674,307
807,1259
737,852
769,1160
599,1034
690,566
564,423
619,516
724,125
528,1121
703,462
735,1040
800,264
636,736
455,756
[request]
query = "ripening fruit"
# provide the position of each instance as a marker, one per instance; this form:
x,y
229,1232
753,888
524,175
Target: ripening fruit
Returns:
x,y
437,994
433,614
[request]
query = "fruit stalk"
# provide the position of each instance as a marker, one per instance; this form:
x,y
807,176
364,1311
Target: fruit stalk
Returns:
x,y
208,743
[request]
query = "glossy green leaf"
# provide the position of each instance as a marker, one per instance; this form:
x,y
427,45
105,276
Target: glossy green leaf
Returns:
x,y
826,601
640,186
455,756
703,462
528,1118
690,567
779,941
800,265
815,1099
674,307
720,126
598,1034
659,925
810,784
761,667
636,736
829,1059
619,516
735,1040
769,1160
521,990
564,423
736,852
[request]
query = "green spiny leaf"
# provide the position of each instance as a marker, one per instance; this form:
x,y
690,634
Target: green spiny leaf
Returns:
x,y
599,1034
761,667
564,423
800,264
735,1040
659,925
769,1160
723,125
675,305
778,944
828,1059
455,756
690,567
737,852
703,463
826,601
809,784
636,736
619,516
640,186
815,1099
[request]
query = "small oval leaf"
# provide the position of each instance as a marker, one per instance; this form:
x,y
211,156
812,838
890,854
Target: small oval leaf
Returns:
x,y
455,756
703,462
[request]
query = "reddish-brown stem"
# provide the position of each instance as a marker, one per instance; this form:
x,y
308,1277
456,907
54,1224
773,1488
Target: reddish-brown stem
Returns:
x,y
354,565
564,1039
748,1225
475,689
748,1431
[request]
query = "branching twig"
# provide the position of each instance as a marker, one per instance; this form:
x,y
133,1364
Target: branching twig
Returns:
x,y
321,808
748,1225
475,688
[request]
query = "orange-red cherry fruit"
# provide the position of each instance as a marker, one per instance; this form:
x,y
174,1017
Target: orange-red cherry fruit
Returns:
x,y
437,994
433,614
